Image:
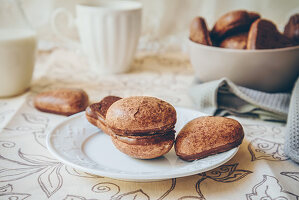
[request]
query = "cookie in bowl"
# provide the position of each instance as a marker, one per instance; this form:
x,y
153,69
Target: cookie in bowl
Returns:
x,y
234,21
237,41
199,31
291,29
263,34
206,136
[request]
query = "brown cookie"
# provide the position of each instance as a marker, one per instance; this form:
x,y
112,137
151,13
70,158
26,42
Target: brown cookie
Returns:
x,y
263,34
96,113
199,32
235,21
205,136
139,115
237,41
291,30
142,127
63,101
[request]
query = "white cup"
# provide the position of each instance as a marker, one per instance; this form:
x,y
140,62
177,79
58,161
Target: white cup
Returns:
x,y
109,32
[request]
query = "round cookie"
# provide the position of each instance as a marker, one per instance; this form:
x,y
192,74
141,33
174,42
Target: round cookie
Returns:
x,y
140,115
235,21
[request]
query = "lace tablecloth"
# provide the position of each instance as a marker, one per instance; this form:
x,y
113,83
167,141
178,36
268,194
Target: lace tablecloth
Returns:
x,y
259,170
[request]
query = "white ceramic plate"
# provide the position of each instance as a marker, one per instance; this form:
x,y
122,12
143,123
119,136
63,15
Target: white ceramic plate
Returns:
x,y
83,146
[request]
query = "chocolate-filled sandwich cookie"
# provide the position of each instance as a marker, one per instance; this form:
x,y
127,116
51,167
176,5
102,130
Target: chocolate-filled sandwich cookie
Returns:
x,y
205,136
142,127
139,126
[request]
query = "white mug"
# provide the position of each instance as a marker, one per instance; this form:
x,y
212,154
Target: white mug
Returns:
x,y
109,32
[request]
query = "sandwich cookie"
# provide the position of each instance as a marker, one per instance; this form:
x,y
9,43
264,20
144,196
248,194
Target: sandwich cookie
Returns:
x,y
142,127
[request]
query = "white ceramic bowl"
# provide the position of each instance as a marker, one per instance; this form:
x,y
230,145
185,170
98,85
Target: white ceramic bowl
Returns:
x,y
271,70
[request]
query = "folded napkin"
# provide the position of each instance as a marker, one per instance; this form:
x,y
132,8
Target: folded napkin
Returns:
x,y
222,97
291,147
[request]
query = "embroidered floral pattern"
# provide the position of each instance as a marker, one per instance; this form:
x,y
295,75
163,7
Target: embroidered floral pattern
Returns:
x,y
292,175
6,192
270,189
261,149
223,174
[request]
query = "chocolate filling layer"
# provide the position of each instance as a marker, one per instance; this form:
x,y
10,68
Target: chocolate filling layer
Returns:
x,y
146,139
163,129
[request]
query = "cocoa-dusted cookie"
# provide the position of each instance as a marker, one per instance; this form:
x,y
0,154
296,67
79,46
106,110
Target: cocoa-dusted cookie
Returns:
x,y
63,101
263,34
205,136
291,30
199,32
234,21
237,41
96,112
138,115
142,127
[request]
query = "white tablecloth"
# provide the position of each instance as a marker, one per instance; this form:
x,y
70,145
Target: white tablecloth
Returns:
x,y
259,170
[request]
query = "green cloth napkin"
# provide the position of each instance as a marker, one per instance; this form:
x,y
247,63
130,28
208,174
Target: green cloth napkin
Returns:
x,y
222,97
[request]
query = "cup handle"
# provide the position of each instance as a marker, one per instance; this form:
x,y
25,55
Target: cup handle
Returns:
x,y
70,24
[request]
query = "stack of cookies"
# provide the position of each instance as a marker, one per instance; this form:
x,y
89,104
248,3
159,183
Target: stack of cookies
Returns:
x,y
245,30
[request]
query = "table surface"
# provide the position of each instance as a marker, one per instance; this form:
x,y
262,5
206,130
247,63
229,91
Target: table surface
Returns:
x,y
259,170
